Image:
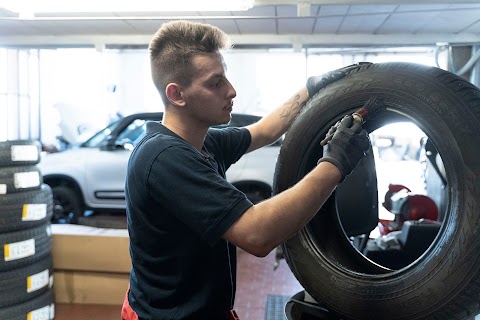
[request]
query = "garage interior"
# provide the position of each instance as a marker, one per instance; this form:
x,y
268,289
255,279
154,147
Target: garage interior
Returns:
x,y
67,71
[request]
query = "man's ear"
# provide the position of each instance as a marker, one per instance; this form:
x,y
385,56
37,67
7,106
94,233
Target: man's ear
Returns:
x,y
174,94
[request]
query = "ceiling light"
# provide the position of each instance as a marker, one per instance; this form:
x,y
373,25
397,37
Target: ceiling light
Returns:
x,y
56,6
303,9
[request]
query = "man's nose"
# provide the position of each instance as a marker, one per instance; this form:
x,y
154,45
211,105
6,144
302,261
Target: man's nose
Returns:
x,y
231,91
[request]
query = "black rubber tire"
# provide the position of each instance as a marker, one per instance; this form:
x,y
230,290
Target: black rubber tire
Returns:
x,y
20,210
43,307
19,153
444,283
15,286
68,204
18,179
42,244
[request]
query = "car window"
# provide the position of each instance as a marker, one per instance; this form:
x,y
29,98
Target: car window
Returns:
x,y
101,138
133,133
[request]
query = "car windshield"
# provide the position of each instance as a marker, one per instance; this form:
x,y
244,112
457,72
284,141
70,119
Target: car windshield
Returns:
x,y
131,134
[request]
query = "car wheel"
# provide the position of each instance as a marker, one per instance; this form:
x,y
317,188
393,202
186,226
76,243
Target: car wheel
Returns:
x,y
67,205
255,192
256,196
444,282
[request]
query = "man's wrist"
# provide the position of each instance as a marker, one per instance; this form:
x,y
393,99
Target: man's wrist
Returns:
x,y
331,169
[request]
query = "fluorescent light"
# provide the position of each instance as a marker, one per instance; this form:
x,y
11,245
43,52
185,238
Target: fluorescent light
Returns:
x,y
56,6
303,9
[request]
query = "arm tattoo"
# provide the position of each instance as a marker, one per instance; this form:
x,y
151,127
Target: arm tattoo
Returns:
x,y
292,108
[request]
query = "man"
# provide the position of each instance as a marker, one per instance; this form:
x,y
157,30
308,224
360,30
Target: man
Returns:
x,y
184,219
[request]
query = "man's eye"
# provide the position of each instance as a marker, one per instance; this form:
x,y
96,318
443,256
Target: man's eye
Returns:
x,y
218,84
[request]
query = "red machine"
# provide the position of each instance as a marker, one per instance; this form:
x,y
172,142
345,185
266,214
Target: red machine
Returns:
x,y
406,206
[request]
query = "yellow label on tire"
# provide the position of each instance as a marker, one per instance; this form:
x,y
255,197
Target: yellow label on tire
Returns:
x,y
19,250
38,281
45,313
34,212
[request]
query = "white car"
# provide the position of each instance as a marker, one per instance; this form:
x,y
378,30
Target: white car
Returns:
x,y
91,176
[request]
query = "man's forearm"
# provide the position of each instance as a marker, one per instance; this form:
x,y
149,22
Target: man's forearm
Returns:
x,y
296,206
271,222
283,116
290,110
276,123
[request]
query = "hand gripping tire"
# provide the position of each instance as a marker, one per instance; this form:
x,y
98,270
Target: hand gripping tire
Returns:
x,y
443,283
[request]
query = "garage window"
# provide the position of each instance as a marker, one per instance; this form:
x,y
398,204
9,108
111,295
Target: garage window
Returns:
x,y
19,94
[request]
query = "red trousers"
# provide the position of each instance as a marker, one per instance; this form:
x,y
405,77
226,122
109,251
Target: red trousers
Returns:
x,y
127,312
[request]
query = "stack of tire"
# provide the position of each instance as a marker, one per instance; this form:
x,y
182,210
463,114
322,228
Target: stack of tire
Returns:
x,y
26,268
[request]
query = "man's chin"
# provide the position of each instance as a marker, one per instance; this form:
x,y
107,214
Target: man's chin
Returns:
x,y
226,121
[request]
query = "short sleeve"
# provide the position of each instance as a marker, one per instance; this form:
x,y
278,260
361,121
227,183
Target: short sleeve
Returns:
x,y
229,144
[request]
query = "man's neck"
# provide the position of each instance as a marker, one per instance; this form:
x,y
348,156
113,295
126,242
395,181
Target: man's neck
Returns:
x,y
189,132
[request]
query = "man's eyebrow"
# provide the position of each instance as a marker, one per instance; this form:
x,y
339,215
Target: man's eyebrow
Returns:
x,y
216,75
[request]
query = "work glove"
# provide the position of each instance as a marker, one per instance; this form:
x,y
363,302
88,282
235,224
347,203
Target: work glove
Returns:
x,y
315,83
347,146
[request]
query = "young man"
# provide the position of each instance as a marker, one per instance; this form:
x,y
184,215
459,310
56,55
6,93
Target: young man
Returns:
x,y
184,219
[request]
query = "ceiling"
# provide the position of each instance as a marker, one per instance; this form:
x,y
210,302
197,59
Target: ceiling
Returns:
x,y
269,23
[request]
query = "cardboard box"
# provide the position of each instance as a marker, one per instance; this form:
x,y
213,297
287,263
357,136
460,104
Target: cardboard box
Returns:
x,y
84,248
90,287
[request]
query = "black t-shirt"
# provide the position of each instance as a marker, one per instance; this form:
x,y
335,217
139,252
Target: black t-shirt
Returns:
x,y
179,205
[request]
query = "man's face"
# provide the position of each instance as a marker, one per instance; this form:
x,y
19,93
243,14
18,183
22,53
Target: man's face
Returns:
x,y
209,98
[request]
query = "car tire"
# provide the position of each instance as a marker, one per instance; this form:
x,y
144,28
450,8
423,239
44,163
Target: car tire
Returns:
x,y
255,197
443,283
68,206
257,194
19,153
20,178
25,247
24,210
22,284
41,307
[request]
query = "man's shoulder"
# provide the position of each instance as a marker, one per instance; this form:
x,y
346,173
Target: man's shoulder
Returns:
x,y
151,148
158,143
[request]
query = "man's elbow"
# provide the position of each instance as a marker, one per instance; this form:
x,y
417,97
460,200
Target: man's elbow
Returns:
x,y
257,247
248,234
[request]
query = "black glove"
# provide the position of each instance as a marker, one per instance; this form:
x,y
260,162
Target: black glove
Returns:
x,y
347,147
315,83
